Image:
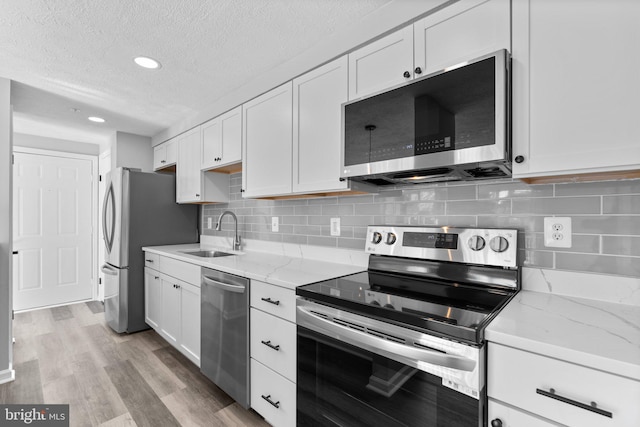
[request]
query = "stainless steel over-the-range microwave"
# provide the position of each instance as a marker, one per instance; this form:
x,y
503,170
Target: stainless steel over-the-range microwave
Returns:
x,y
449,125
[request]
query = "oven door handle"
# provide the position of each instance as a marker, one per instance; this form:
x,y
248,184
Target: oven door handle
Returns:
x,y
394,350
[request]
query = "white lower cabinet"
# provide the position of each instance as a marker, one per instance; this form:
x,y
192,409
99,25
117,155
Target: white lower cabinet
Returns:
x,y
153,297
172,305
273,396
273,353
506,416
558,391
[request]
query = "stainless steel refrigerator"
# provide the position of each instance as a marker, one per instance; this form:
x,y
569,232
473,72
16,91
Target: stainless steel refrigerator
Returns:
x,y
139,209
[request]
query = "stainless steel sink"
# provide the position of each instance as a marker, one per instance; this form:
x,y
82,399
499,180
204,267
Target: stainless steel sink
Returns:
x,y
207,254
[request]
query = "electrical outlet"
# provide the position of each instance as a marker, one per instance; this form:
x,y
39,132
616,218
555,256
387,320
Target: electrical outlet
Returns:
x,y
209,222
335,226
557,232
275,223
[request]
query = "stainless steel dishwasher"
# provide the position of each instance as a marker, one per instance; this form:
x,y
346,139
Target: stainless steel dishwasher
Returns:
x,y
224,336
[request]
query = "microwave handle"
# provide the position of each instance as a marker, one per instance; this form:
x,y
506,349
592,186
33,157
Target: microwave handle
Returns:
x,y
381,346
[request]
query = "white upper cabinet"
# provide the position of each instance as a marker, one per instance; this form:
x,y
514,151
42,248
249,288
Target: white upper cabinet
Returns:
x,y
222,141
165,155
317,99
267,149
575,89
188,168
193,185
465,30
381,64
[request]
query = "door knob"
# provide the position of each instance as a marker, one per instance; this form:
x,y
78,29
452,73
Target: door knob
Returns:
x,y
418,70
407,74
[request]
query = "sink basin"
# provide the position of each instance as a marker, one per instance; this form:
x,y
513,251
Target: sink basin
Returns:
x,y
207,254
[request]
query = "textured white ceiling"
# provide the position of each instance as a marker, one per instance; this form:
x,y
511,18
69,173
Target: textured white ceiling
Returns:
x,y
64,54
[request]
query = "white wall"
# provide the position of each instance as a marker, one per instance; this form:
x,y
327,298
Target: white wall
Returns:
x,y
131,151
54,144
6,176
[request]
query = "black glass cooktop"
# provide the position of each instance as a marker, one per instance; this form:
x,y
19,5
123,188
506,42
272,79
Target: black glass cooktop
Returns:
x,y
448,309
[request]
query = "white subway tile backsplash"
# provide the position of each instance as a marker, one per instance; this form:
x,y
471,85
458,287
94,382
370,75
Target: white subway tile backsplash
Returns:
x,y
605,218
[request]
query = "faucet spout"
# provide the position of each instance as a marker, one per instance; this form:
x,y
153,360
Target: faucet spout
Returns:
x,y
236,239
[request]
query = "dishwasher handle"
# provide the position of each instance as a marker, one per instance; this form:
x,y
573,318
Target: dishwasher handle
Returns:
x,y
107,269
239,289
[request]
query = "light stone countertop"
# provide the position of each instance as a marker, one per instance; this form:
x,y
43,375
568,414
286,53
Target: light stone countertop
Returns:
x,y
273,268
602,335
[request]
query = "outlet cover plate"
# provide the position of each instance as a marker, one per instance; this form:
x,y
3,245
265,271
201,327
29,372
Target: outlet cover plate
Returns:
x,y
335,226
557,232
275,223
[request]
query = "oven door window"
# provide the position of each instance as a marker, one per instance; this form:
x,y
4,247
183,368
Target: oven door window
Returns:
x,y
342,385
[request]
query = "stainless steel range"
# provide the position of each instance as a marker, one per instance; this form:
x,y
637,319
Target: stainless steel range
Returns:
x,y
402,344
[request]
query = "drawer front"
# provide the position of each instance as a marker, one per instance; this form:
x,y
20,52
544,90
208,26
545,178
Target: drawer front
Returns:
x,y
267,332
273,299
184,271
518,378
511,417
266,384
152,260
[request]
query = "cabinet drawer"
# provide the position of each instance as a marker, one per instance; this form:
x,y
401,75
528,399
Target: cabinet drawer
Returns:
x,y
152,260
273,299
518,378
184,271
511,417
267,332
266,384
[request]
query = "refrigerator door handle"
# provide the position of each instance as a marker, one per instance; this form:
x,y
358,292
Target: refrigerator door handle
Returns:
x,y
109,234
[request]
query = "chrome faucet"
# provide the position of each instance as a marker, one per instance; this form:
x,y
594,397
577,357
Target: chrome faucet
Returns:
x,y
236,240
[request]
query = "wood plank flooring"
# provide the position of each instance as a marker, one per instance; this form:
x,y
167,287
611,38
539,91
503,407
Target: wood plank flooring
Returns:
x,y
69,355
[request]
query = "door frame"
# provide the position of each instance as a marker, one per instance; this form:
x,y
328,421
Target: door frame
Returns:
x,y
95,209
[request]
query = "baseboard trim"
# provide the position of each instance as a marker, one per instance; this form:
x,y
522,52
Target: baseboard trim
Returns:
x,y
7,375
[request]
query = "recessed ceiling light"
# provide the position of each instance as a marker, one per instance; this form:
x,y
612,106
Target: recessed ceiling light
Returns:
x,y
96,119
146,62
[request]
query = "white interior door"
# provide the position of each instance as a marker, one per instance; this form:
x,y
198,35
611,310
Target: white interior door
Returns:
x,y
52,230
104,166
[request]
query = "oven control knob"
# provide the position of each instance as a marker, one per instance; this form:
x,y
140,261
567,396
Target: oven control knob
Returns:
x,y
476,243
499,244
377,238
391,239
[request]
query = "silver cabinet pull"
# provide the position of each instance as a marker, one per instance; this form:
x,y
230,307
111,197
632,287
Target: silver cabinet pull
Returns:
x,y
593,407
268,399
268,344
270,301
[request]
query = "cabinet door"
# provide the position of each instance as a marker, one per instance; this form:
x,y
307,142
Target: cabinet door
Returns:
x,y
160,156
272,396
190,321
511,417
152,297
171,152
379,65
463,31
188,173
273,343
211,144
170,318
222,140
267,139
317,100
575,87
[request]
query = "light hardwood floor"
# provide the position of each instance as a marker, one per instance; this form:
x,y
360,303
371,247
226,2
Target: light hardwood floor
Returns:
x,y
69,355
